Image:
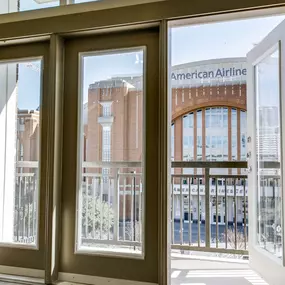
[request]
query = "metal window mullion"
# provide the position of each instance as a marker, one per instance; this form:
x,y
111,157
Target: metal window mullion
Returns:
x,y
244,215
140,210
199,229
32,206
109,206
35,205
94,206
116,204
235,209
207,206
124,210
86,208
189,211
172,212
217,226
134,205
226,215
181,212
101,206
275,214
24,210
132,210
29,212
19,208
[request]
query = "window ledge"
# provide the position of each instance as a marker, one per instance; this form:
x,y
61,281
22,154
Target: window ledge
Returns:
x,y
70,9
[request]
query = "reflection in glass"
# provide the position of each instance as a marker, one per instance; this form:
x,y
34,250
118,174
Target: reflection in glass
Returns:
x,y
269,204
111,193
243,135
19,151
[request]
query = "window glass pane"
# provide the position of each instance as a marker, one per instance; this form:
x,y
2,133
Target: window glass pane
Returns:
x,y
243,127
172,142
215,131
188,138
111,193
269,199
9,6
234,134
199,135
19,151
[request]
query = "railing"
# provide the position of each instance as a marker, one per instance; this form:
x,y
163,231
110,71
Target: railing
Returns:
x,y
209,205
111,203
210,213
26,202
114,199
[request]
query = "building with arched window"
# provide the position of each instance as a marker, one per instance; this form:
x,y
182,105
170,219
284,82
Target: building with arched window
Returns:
x,y
209,124
209,110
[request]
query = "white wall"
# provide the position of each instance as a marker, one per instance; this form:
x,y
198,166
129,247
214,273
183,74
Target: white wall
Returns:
x,y
8,116
11,135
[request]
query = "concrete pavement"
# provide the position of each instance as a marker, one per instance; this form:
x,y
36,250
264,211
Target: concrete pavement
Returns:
x,y
203,272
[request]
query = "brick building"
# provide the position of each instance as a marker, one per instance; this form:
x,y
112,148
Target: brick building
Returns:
x,y
208,123
208,118
28,135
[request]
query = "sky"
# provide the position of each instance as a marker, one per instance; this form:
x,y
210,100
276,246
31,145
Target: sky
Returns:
x,y
188,44
219,40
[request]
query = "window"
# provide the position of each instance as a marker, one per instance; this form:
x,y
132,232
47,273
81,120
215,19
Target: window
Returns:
x,y
185,141
234,134
199,135
20,152
106,108
112,167
9,6
188,139
267,114
208,118
199,119
216,130
243,127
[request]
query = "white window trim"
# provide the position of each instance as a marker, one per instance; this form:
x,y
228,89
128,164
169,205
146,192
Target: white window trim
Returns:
x,y
70,9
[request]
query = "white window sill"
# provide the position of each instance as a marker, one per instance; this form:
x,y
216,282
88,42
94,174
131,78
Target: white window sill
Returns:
x,y
70,9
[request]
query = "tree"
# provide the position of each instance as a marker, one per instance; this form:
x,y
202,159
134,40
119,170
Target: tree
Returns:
x,y
237,239
96,215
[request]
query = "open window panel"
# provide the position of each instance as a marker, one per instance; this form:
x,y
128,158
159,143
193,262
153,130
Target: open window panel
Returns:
x,y
22,151
266,128
110,158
